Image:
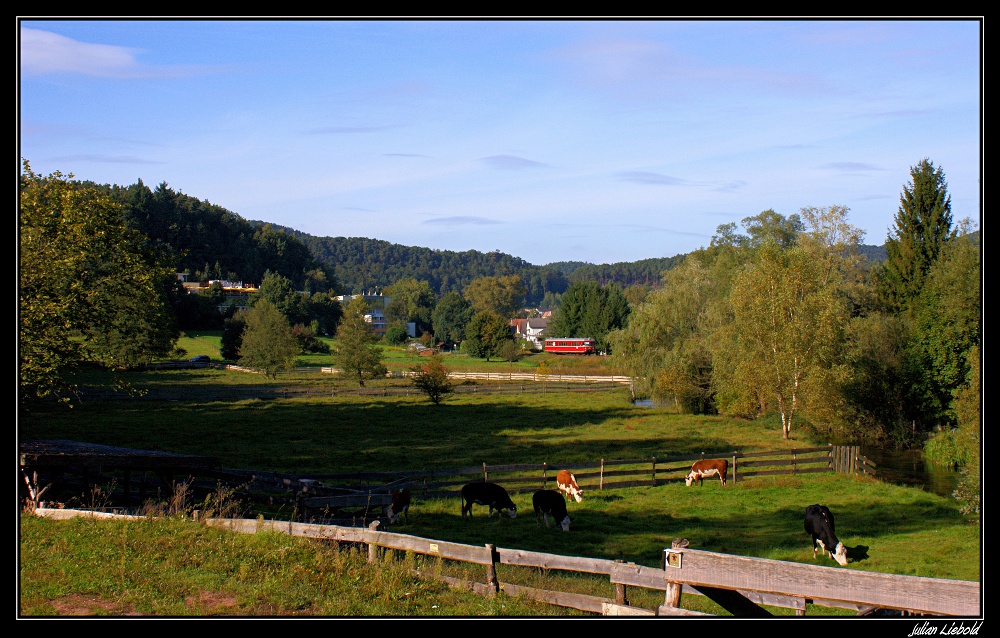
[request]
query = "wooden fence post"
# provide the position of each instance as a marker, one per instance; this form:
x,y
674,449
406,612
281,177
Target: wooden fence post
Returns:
x,y
373,546
485,475
654,471
621,593
491,569
672,597
602,475
545,475
734,467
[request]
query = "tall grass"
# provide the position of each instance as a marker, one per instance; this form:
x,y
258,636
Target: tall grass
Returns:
x,y
173,567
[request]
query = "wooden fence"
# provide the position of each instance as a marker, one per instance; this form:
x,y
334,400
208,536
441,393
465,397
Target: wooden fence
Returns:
x,y
739,584
359,497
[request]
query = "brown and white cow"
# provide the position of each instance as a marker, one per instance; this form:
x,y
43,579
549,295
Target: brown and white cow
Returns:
x,y
566,483
400,505
708,467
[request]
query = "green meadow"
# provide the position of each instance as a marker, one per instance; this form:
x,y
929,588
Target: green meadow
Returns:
x,y
889,528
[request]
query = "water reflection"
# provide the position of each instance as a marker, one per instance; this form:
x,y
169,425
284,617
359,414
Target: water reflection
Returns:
x,y
908,467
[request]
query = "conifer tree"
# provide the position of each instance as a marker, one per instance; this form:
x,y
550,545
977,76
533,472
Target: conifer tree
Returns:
x,y
357,355
922,226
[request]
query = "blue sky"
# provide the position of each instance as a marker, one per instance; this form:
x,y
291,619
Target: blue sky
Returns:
x,y
597,141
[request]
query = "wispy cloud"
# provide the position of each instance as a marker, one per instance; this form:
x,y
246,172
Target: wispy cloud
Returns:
x,y
729,187
851,167
462,220
44,52
646,177
509,162
106,159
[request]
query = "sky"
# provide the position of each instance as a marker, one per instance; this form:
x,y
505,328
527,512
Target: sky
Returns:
x,y
600,141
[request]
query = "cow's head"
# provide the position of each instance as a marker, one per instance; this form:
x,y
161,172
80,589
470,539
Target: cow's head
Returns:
x,y
564,524
512,511
575,492
690,478
840,554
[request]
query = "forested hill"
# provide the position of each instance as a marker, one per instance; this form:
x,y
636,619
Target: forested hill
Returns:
x,y
211,242
362,264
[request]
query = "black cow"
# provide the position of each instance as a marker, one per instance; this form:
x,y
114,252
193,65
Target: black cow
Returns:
x,y
400,505
491,494
819,525
548,502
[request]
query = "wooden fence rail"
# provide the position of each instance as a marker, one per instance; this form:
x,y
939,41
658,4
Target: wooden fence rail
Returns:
x,y
738,583
319,496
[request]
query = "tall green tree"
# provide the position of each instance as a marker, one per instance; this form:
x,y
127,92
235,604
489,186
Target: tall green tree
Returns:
x,y
486,334
498,295
921,228
947,325
357,356
89,288
411,300
268,341
589,309
663,346
451,314
789,312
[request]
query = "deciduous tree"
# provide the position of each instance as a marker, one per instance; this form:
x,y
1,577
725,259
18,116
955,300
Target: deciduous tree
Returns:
x,y
268,341
486,334
89,288
498,295
432,378
451,315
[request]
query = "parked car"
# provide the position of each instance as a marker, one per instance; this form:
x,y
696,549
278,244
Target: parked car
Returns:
x,y
201,358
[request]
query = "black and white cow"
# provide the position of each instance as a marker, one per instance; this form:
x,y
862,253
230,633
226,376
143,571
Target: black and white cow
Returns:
x,y
819,525
491,494
400,505
708,467
566,483
549,502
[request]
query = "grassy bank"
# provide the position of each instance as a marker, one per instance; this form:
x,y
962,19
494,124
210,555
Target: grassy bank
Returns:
x,y
173,567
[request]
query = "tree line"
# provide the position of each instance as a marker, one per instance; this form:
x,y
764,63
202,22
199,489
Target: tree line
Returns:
x,y
785,316
781,314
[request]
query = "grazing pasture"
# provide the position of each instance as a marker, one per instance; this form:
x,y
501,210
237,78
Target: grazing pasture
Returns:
x,y
895,529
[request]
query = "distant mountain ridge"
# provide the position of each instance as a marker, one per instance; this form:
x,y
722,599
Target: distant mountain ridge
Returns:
x,y
362,263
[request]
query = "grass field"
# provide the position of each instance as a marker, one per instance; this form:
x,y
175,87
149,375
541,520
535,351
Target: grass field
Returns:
x,y
397,358
904,530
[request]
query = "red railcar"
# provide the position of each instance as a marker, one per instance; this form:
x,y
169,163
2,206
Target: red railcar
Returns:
x,y
571,345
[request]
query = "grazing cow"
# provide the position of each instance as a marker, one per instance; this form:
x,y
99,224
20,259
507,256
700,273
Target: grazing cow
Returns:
x,y
819,525
710,467
548,502
566,483
400,505
491,494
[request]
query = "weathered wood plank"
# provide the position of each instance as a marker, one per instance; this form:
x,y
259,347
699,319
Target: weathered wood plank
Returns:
x,y
914,593
614,609
581,602
541,560
667,610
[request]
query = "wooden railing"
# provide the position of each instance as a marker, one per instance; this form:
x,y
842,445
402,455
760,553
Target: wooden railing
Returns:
x,y
739,584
